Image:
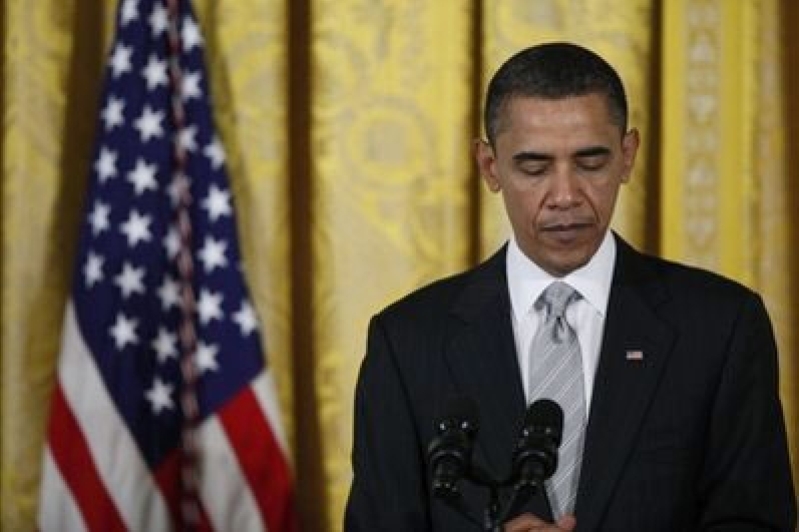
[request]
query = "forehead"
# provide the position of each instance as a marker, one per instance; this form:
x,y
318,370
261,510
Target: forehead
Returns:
x,y
570,117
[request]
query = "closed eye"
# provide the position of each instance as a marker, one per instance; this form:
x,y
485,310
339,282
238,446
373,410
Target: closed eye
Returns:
x,y
534,169
592,159
592,163
532,163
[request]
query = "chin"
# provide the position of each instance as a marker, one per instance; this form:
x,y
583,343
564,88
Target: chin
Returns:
x,y
564,267
560,260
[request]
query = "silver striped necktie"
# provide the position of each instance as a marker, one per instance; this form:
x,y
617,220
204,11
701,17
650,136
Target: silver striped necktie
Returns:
x,y
557,374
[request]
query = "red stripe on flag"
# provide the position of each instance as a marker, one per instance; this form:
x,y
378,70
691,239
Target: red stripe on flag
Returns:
x,y
72,455
261,460
167,477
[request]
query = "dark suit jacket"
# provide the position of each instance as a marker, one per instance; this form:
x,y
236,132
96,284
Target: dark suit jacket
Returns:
x,y
691,437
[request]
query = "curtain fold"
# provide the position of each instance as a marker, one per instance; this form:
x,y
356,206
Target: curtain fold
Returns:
x,y
773,200
347,126
391,122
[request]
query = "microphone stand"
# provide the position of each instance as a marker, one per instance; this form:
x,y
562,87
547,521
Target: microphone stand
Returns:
x,y
534,460
496,512
493,514
492,521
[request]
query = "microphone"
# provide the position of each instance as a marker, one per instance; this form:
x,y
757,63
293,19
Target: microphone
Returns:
x,y
449,453
536,455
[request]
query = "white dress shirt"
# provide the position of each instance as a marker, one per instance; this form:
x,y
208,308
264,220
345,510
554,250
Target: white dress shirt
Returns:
x,y
526,282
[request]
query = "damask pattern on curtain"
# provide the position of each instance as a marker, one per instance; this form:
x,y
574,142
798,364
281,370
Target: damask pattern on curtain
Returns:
x,y
348,126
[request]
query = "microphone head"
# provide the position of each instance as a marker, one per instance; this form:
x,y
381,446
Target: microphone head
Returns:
x,y
536,455
458,412
545,417
449,453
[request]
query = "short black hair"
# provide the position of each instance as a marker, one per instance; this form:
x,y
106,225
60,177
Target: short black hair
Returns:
x,y
554,71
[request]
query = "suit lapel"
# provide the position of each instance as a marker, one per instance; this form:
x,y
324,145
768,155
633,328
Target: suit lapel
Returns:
x,y
634,350
481,356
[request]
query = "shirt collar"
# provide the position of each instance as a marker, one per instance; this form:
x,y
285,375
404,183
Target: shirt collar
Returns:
x,y
526,280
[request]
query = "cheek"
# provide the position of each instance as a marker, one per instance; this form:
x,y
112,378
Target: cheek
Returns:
x,y
603,197
522,208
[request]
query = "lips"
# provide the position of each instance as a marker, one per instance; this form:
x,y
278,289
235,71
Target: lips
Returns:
x,y
564,227
566,232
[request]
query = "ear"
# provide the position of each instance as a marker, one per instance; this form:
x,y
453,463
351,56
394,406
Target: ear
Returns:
x,y
486,163
629,149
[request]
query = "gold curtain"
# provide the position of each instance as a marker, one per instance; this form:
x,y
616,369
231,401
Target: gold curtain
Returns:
x,y
347,125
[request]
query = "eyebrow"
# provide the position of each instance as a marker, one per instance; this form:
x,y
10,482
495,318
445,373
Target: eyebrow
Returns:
x,y
531,156
593,151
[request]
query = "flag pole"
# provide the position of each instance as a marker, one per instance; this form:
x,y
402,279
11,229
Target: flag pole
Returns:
x,y
189,474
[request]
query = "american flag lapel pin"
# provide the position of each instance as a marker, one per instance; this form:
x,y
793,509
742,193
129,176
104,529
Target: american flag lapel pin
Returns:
x,y
634,355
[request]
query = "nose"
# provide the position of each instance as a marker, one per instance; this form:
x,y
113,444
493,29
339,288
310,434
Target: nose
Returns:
x,y
564,190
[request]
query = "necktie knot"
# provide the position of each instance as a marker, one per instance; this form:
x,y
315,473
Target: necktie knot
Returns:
x,y
555,299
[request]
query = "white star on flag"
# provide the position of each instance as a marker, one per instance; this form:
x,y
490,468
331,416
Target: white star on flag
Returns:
x,y
172,242
112,113
191,34
93,270
186,138
160,396
124,331
245,318
142,177
137,228
190,87
129,11
169,293
209,306
165,345
106,164
206,357
212,254
217,203
120,60
149,124
130,280
215,152
158,20
155,73
98,218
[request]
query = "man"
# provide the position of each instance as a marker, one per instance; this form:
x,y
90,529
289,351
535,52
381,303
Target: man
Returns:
x,y
667,374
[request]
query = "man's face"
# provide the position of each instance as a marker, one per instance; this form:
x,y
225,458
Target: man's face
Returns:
x,y
559,165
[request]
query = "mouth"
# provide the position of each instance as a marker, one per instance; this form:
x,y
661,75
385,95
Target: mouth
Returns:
x,y
566,232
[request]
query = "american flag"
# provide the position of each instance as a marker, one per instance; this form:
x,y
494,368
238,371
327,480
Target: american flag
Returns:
x,y
164,415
